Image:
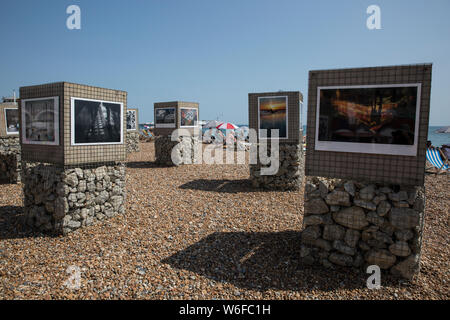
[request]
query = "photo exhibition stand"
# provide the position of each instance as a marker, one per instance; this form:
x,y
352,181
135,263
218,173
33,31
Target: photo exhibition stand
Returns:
x,y
278,110
170,116
366,208
10,161
73,151
133,131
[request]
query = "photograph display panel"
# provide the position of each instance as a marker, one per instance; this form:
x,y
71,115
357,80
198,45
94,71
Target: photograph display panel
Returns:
x,y
165,117
189,117
40,119
381,119
131,120
273,114
96,122
12,121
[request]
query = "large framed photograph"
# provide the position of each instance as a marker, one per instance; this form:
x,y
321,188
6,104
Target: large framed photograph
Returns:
x,y
40,121
96,122
12,121
273,114
377,119
165,117
188,117
131,120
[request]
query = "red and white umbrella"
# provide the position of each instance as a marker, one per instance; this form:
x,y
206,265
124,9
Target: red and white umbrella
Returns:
x,y
227,126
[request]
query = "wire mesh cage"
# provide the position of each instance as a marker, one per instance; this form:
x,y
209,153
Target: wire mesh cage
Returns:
x,y
62,198
73,140
276,110
10,162
69,124
389,143
170,116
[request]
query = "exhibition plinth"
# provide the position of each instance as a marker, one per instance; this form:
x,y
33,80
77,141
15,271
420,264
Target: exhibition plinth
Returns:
x,y
73,149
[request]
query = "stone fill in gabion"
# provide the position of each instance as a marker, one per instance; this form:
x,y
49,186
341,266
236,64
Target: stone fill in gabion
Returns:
x,y
60,200
132,142
290,173
356,224
10,159
185,150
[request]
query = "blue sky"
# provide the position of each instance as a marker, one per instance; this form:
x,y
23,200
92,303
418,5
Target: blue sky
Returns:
x,y
216,52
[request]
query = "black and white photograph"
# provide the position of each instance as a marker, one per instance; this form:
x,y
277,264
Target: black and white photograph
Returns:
x,y
96,122
165,117
12,121
41,121
131,120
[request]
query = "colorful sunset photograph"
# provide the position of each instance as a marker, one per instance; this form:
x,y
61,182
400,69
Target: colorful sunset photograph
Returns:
x,y
383,115
273,115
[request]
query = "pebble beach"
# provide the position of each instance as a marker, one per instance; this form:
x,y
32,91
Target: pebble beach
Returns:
x,y
201,232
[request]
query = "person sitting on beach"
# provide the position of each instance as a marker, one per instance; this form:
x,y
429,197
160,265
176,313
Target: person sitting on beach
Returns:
x,y
446,150
230,139
219,137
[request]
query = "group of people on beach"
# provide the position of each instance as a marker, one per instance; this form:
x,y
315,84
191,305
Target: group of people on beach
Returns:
x,y
217,137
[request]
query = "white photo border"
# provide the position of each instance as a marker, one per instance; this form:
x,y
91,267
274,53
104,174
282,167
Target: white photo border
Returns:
x,y
6,123
287,118
72,123
56,122
371,148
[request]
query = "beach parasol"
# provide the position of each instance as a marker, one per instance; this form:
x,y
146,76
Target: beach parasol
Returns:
x,y
227,126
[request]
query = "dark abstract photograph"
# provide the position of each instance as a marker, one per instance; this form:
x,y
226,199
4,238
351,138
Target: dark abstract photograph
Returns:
x,y
273,115
381,115
96,122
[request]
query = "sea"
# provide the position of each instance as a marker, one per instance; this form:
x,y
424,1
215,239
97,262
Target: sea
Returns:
x,y
437,139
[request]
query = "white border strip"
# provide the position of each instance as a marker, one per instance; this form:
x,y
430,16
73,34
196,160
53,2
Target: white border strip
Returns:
x,y
72,123
372,148
287,118
6,123
55,119
166,125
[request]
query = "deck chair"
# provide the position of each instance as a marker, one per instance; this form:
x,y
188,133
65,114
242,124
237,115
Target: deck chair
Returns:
x,y
437,158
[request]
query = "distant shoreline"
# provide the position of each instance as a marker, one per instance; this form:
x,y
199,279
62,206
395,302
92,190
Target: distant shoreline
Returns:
x,y
437,139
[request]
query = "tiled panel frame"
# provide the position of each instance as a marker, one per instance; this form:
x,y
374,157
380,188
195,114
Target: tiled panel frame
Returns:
x,y
294,99
3,106
65,153
44,153
92,153
405,170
